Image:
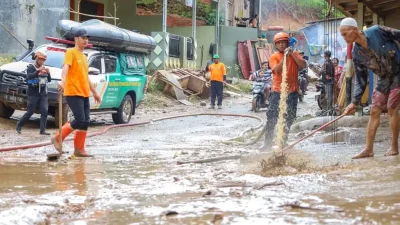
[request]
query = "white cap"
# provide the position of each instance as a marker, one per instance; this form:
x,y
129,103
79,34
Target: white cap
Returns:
x,y
348,21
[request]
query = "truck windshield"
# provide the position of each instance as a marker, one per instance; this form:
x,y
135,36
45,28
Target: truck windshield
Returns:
x,y
55,56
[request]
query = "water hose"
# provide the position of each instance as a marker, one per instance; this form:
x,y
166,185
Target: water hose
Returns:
x,y
107,128
312,133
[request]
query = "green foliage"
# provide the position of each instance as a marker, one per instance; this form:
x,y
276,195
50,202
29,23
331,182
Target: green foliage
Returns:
x,y
155,87
203,11
207,13
146,2
246,87
5,60
211,18
308,8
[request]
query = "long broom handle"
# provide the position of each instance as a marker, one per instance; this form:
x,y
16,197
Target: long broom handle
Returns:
x,y
60,117
315,131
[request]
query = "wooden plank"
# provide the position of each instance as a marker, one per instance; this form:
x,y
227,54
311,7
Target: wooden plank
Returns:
x,y
196,84
243,59
251,56
175,84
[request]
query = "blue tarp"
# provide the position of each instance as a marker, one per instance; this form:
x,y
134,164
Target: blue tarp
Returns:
x,y
320,39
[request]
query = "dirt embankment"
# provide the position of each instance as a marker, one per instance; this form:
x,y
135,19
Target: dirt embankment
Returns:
x,y
178,13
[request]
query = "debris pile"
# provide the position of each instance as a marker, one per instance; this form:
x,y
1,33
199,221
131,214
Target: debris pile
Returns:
x,y
183,82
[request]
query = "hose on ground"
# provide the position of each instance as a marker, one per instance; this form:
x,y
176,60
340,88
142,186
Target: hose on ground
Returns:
x,y
258,133
107,128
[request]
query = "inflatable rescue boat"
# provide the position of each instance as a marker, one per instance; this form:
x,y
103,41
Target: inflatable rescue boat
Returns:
x,y
107,36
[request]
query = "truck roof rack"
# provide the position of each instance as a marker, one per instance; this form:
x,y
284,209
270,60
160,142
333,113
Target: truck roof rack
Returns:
x,y
63,41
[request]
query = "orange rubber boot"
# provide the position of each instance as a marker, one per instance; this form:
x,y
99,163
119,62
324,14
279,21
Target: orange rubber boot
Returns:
x,y
79,143
65,131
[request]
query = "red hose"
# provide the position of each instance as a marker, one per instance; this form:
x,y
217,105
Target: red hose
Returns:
x,y
107,128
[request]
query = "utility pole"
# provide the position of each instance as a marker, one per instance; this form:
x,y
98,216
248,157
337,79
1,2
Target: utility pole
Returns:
x,y
194,20
165,11
217,28
259,18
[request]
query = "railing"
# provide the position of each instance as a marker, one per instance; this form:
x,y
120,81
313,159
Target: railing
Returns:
x,y
190,48
174,46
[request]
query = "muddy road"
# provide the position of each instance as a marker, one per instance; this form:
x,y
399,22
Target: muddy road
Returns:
x,y
135,179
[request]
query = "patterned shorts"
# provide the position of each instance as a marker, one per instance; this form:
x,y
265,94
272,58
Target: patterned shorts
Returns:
x,y
391,100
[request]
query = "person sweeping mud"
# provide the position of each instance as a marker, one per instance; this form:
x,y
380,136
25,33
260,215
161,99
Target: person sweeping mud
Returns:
x,y
294,62
375,49
76,86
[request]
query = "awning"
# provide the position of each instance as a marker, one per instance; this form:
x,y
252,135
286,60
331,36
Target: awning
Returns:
x,y
380,7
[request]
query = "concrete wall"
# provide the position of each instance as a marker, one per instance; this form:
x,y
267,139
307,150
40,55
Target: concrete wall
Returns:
x,y
205,36
29,19
129,20
229,37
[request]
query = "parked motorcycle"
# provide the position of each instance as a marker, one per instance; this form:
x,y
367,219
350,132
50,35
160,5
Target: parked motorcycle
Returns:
x,y
258,95
302,81
321,98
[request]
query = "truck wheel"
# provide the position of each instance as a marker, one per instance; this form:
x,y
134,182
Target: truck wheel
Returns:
x,y
125,110
65,115
5,111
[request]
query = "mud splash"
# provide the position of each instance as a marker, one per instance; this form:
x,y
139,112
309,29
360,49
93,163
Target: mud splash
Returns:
x,y
282,107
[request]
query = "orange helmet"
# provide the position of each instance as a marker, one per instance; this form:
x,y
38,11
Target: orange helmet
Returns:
x,y
281,36
40,55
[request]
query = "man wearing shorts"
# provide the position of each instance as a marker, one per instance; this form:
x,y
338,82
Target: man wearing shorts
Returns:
x,y
77,86
375,49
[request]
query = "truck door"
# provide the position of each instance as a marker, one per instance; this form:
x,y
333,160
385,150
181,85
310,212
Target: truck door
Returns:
x,y
111,94
99,80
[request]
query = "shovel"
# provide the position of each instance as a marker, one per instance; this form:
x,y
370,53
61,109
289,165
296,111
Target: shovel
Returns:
x,y
315,131
56,156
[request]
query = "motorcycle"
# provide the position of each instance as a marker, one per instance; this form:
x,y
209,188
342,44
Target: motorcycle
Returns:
x,y
258,95
302,79
321,97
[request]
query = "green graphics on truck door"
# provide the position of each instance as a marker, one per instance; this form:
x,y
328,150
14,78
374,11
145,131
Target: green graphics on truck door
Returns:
x,y
119,76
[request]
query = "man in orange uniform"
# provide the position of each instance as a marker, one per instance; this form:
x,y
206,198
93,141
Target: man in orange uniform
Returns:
x,y
218,80
294,62
77,86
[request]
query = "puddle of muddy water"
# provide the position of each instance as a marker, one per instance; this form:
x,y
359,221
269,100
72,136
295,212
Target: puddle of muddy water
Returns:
x,y
134,179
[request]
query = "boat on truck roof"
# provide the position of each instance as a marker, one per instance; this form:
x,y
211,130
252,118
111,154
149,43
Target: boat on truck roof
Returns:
x,y
108,36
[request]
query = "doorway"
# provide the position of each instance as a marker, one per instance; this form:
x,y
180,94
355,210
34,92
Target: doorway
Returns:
x,y
91,8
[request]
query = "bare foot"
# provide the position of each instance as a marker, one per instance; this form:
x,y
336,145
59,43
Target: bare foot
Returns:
x,y
391,152
366,153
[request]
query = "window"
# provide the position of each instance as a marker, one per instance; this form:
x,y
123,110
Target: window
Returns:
x,y
111,64
90,8
55,56
140,61
96,63
131,61
174,46
190,49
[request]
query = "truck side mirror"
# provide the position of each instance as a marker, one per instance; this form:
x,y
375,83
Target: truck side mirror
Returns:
x,y
94,71
31,43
